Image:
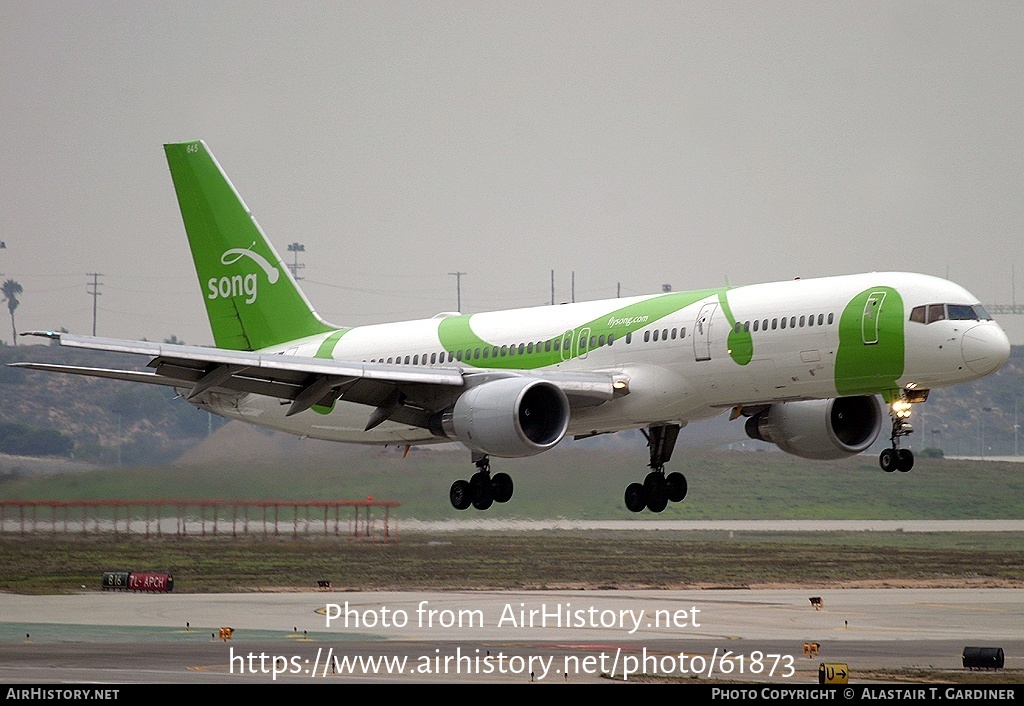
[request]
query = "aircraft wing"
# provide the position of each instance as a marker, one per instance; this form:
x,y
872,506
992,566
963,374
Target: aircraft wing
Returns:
x,y
405,393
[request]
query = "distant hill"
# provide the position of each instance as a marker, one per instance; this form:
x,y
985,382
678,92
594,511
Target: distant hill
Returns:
x,y
104,418
145,424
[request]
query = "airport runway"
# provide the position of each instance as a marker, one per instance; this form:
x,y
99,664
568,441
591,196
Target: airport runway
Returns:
x,y
497,636
169,526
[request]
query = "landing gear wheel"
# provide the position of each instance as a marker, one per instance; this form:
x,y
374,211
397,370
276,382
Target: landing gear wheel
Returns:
x,y
480,487
658,502
887,460
656,490
636,498
676,483
904,460
461,495
501,487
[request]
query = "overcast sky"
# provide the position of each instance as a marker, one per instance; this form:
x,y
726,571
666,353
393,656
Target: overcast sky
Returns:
x,y
639,143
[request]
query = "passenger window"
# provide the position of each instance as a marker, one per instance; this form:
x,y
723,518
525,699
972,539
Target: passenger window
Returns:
x,y
556,345
476,354
775,324
655,335
664,334
738,327
801,322
746,327
529,347
756,322
415,360
782,324
792,322
810,320
406,360
647,336
830,319
547,347
522,347
611,338
593,342
600,341
629,338
764,325
682,332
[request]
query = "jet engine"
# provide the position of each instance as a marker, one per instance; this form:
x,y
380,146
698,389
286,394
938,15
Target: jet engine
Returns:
x,y
510,417
820,429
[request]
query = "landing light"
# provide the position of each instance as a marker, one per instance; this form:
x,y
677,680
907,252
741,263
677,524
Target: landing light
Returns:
x,y
901,409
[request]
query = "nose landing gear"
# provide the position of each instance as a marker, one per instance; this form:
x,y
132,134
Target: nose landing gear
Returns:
x,y
895,458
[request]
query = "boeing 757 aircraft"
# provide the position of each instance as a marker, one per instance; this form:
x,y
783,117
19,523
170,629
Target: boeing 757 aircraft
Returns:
x,y
806,362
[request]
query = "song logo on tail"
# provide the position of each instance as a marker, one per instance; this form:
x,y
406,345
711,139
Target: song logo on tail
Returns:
x,y
240,285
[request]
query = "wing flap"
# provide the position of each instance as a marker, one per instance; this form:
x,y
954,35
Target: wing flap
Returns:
x,y
127,375
308,381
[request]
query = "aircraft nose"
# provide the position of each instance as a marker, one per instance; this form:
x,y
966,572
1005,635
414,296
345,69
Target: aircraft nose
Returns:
x,y
985,348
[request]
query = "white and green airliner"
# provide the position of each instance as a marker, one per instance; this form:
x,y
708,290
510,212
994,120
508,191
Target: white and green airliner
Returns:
x,y
808,362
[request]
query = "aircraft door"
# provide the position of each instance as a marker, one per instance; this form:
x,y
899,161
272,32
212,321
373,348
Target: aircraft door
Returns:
x,y
567,345
583,343
870,317
702,332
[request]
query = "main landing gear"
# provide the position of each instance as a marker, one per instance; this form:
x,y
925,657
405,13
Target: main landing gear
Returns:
x,y
482,489
658,490
897,459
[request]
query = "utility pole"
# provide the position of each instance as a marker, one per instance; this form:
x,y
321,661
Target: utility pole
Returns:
x,y
95,284
552,287
618,290
574,286
458,290
295,266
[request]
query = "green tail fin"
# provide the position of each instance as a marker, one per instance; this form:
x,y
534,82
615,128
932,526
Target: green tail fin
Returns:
x,y
251,298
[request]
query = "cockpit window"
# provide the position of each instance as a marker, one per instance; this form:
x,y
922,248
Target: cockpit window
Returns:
x,y
955,312
960,312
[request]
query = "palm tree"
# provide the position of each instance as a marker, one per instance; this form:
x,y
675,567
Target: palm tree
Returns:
x,y
11,290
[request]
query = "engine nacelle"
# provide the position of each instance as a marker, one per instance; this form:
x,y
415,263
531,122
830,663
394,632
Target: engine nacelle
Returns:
x,y
510,417
820,429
